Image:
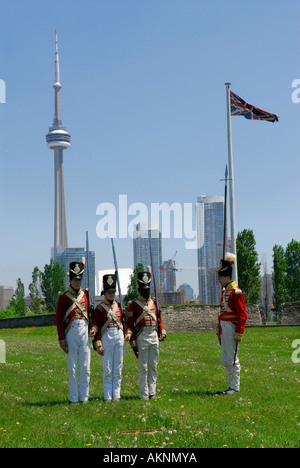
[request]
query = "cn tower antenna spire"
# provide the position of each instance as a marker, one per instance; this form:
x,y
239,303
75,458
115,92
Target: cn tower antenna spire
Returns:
x,y
57,85
56,59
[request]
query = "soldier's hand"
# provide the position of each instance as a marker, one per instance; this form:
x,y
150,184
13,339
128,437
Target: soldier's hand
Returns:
x,y
65,349
100,351
93,332
238,337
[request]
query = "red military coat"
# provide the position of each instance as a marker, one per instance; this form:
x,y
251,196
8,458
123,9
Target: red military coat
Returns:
x,y
70,305
137,318
106,315
233,308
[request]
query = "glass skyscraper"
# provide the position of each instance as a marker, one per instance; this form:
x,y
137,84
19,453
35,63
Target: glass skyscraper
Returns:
x,y
210,232
141,252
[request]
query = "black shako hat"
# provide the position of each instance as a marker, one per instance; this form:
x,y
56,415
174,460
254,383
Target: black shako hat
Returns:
x,y
144,279
76,270
225,268
109,283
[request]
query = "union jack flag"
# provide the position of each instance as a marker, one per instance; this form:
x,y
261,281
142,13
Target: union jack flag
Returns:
x,y
241,107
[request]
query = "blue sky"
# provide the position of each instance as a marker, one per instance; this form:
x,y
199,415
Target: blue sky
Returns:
x,y
144,100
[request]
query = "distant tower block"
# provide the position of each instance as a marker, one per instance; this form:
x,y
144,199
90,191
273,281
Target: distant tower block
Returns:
x,y
58,139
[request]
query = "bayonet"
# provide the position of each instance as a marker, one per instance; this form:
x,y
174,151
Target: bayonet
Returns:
x,y
118,279
90,299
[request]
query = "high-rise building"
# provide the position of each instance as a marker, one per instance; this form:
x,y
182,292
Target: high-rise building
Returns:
x,y
6,295
58,139
188,290
141,251
210,232
168,275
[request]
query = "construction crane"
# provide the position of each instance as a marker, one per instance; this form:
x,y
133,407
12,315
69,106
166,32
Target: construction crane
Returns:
x,y
171,267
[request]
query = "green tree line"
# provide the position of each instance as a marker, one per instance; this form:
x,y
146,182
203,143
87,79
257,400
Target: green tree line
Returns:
x,y
43,291
285,271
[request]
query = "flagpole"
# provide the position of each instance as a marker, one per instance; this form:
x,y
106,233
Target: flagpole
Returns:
x,y
231,183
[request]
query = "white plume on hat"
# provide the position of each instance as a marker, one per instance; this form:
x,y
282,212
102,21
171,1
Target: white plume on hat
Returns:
x,y
230,257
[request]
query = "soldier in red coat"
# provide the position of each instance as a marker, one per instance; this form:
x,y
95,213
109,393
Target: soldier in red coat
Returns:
x,y
146,333
108,329
72,321
231,323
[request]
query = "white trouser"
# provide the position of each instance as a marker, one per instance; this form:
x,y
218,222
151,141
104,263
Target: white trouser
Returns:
x,y
112,362
228,345
79,349
148,347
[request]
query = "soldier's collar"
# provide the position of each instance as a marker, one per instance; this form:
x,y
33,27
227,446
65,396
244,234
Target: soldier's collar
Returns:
x,y
107,301
142,298
230,285
74,292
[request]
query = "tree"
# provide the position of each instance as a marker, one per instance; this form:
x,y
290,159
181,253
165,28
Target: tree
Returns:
x,y
248,266
18,301
279,276
35,291
132,291
292,258
52,283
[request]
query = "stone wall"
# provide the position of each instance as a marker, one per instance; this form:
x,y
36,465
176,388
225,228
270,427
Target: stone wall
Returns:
x,y
289,314
176,318
197,318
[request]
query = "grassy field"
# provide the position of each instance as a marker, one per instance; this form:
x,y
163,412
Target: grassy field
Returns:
x,y
34,410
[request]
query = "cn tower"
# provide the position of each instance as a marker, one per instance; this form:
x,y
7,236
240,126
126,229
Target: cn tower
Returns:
x,y
58,139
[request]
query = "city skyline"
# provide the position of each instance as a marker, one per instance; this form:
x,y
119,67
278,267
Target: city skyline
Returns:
x,y
144,96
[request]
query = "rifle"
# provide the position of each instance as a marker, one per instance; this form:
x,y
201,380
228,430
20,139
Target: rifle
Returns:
x,y
155,291
118,279
234,361
90,301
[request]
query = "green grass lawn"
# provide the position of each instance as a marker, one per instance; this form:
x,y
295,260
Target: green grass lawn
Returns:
x,y
34,410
